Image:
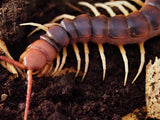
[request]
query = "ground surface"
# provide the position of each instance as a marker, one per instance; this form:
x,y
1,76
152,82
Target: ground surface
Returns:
x,y
65,97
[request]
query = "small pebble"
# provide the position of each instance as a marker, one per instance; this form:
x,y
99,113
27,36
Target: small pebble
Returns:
x,y
3,97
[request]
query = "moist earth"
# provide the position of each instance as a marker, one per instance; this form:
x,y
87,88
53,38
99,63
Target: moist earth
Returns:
x,y
64,97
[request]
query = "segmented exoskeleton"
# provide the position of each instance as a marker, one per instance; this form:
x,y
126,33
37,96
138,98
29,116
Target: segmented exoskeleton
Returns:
x,y
136,27
107,6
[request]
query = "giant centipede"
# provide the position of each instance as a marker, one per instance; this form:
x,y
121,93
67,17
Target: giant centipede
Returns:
x,y
134,28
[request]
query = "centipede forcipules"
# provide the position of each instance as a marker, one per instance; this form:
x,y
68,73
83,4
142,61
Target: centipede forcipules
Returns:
x,y
137,27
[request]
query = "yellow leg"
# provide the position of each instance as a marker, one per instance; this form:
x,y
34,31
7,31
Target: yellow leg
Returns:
x,y
44,70
123,52
103,58
119,6
139,2
86,52
76,51
49,70
35,24
93,8
142,51
57,65
47,25
107,8
38,28
60,17
128,5
63,60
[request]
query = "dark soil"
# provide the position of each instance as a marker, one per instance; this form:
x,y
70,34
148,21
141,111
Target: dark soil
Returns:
x,y
65,97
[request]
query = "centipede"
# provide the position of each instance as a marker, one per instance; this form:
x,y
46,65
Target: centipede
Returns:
x,y
119,30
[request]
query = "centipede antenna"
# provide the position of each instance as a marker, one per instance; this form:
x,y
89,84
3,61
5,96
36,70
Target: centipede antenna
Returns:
x,y
86,51
128,5
29,87
142,51
35,24
138,2
93,8
57,65
8,60
103,58
119,6
107,8
76,51
123,52
63,60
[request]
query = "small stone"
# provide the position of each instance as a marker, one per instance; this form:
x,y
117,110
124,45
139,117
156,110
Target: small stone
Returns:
x,y
3,97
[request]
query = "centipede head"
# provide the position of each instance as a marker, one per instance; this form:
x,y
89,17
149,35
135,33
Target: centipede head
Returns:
x,y
29,61
33,59
29,78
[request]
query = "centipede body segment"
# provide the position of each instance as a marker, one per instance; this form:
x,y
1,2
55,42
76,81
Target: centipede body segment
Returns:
x,y
119,30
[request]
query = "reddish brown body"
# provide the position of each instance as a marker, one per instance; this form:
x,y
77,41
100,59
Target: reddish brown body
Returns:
x,y
119,30
39,49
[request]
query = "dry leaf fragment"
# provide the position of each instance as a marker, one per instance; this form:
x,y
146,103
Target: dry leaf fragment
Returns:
x,y
9,67
135,114
152,89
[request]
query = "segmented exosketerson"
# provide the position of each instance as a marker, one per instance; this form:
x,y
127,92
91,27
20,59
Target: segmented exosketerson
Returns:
x,y
136,27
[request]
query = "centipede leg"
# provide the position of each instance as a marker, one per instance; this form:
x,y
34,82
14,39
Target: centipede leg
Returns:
x,y
50,69
93,8
40,26
86,51
29,87
57,65
123,52
63,60
76,50
142,51
128,5
107,8
119,6
35,24
52,22
103,58
139,2
44,70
